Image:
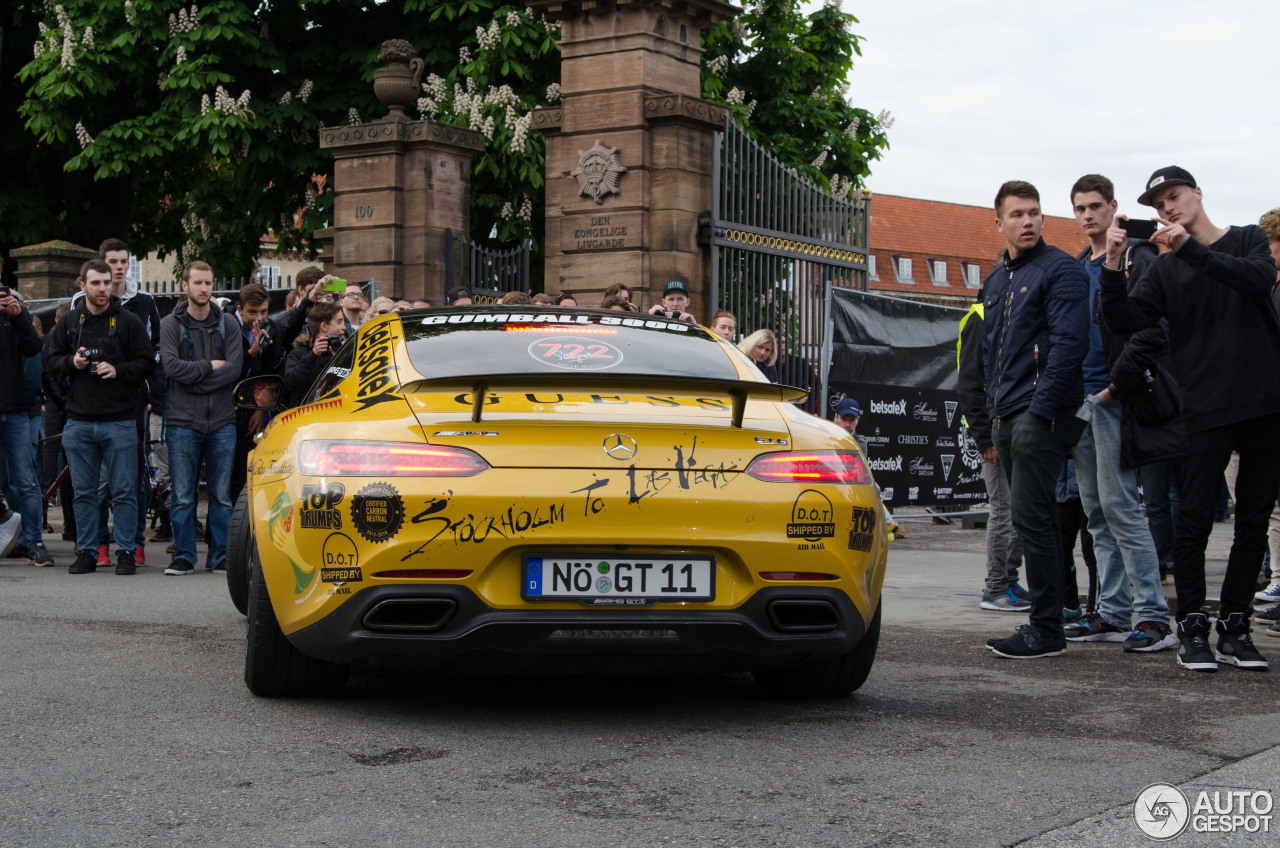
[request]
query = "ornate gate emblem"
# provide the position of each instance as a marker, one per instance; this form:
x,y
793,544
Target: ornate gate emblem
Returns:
x,y
598,172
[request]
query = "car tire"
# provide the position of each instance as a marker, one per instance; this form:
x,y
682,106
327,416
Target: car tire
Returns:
x,y
272,665
825,678
239,537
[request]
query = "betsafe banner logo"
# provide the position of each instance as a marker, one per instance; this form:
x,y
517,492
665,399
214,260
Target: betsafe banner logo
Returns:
x,y
1164,812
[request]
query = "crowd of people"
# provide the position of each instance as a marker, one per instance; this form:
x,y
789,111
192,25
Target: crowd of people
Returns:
x,y
1112,385
119,412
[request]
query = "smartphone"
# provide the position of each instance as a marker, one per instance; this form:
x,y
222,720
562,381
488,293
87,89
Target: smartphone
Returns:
x,y
1137,228
4,291
336,286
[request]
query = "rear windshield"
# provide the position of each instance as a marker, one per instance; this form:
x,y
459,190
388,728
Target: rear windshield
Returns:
x,y
478,340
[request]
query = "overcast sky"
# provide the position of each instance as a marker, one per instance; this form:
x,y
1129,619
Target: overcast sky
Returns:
x,y
985,91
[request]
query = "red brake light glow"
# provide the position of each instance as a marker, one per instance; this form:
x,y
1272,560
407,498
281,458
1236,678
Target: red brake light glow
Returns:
x,y
846,467
424,574
386,459
576,329
796,575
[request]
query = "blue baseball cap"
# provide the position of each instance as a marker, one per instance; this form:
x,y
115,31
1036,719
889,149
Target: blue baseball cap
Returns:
x,y
848,407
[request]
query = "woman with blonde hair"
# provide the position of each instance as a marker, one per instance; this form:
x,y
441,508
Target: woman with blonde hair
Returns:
x,y
381,306
762,347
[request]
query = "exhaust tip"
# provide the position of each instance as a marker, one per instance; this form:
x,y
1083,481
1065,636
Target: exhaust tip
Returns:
x,y
411,615
803,615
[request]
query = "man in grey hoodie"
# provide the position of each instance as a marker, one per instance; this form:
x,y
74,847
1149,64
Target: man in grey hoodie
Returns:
x,y
201,352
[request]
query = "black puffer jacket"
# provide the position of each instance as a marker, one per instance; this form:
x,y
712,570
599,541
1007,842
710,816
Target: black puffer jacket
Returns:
x,y
1036,333
18,339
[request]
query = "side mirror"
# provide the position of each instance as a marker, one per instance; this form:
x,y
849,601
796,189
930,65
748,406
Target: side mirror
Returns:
x,y
259,393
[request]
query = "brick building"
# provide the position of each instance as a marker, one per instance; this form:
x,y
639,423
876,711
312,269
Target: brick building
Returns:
x,y
939,252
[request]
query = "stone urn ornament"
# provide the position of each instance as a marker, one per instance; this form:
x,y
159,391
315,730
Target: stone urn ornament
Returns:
x,y
398,81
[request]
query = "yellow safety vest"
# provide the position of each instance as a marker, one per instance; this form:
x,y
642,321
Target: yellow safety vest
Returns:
x,y
975,309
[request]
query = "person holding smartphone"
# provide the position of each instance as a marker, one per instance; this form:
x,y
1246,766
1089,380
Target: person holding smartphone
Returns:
x,y
1118,438
1213,286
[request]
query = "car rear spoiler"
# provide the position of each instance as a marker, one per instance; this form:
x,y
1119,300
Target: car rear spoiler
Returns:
x,y
737,391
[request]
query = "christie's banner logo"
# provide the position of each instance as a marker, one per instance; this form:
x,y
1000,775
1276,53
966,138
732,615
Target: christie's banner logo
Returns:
x,y
924,412
893,464
889,407
913,440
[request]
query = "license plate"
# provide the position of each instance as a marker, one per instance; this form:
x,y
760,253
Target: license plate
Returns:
x,y
618,581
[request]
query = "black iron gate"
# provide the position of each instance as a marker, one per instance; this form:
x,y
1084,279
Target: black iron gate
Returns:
x,y
468,264
779,244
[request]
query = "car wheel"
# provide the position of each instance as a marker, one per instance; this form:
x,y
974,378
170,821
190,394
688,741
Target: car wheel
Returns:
x,y
239,538
836,676
272,665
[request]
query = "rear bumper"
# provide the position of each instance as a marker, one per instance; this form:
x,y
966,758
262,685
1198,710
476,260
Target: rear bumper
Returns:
x,y
448,626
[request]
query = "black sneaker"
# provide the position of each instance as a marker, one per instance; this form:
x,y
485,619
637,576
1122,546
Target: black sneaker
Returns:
x,y
1273,630
1029,644
86,563
1193,643
19,551
40,556
1094,628
163,533
1149,637
125,563
1270,615
217,567
1235,647
180,567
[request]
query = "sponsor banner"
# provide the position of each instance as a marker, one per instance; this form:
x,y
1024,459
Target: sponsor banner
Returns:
x,y
897,358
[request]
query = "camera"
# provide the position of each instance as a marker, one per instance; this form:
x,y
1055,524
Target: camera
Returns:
x,y
334,340
95,355
675,314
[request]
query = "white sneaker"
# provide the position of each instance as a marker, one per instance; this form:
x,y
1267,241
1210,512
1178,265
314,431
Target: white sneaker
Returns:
x,y
9,530
1269,595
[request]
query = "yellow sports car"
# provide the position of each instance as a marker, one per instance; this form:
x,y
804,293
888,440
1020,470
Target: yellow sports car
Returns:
x,y
559,489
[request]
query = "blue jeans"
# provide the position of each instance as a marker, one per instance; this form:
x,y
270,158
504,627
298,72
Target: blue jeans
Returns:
x,y
15,431
1122,541
187,449
109,445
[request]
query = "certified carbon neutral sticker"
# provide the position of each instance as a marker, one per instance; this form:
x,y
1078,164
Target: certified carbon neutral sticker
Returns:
x,y
575,353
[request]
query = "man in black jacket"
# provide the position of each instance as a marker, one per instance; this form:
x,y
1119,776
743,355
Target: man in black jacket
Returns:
x,y
1214,288
18,339
104,353
1036,333
1117,371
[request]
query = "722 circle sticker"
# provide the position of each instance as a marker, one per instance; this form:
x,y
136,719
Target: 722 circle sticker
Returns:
x,y
575,353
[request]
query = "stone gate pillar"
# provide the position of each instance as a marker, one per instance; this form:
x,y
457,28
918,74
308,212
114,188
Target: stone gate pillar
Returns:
x,y
629,147
399,184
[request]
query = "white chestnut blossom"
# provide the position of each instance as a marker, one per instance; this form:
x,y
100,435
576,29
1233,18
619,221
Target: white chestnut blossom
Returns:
x,y
353,117
82,135
554,93
305,91
734,96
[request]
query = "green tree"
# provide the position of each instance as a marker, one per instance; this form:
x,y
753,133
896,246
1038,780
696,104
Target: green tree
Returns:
x,y
785,75
196,124
191,128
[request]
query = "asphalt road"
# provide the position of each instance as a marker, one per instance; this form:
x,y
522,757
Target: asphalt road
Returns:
x,y
124,721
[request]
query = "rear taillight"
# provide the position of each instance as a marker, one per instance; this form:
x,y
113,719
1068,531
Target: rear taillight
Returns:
x,y
386,459
846,467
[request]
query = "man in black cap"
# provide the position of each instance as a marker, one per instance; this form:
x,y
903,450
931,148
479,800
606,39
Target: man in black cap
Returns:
x,y
1214,287
675,299
847,414
458,296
